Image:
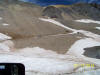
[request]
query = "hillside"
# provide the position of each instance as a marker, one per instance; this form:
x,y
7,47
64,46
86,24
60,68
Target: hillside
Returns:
x,y
50,40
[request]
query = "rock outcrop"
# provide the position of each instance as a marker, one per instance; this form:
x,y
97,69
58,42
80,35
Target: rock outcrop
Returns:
x,y
52,12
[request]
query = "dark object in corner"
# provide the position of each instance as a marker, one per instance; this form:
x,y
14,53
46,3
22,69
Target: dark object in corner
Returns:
x,y
93,52
12,69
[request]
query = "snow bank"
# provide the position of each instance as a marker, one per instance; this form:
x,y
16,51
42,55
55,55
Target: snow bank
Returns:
x,y
89,34
5,24
45,65
6,45
4,37
36,51
78,47
88,21
57,23
38,60
98,28
0,18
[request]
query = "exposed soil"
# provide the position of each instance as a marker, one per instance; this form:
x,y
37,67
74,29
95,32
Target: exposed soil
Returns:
x,y
28,31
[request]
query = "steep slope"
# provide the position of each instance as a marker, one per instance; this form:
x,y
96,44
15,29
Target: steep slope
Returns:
x,y
68,14
50,40
21,21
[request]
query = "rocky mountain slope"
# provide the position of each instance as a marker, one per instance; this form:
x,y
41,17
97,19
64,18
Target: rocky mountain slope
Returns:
x,y
50,37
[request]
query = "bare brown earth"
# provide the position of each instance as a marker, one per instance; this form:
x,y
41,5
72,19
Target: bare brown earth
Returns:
x,y
27,30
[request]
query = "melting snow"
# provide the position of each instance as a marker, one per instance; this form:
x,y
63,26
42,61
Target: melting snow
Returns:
x,y
57,23
78,47
4,37
37,59
98,28
5,24
88,21
0,18
45,65
6,45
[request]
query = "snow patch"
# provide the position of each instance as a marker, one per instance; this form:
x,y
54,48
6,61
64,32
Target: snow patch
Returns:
x,y
98,28
4,37
0,18
45,65
39,60
78,47
6,45
36,51
88,21
89,34
57,23
86,33
5,24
